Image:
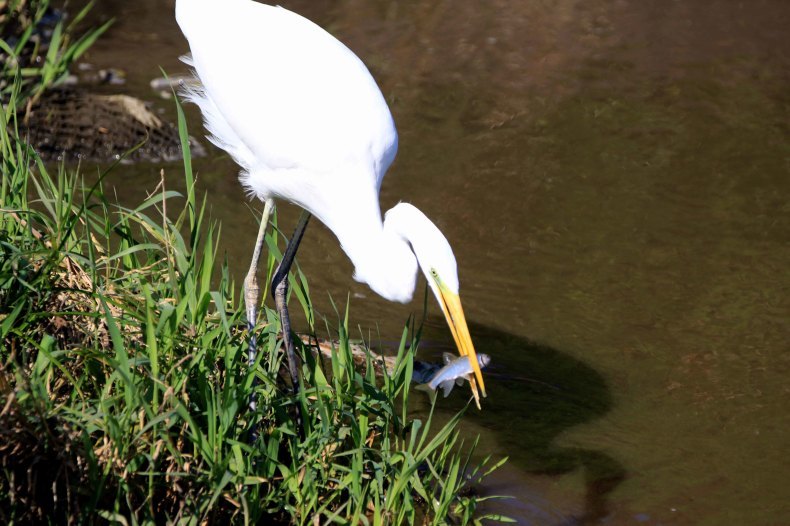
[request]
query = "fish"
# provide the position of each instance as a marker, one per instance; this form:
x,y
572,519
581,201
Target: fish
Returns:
x,y
456,369
422,372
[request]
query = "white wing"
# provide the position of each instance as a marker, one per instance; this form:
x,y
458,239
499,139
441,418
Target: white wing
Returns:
x,y
290,92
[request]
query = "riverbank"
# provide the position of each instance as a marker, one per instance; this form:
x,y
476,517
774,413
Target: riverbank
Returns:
x,y
124,387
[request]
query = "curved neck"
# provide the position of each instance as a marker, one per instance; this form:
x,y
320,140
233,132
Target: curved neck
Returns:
x,y
387,255
381,255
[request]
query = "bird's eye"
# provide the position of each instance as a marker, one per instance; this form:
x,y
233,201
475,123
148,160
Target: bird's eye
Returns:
x,y
434,273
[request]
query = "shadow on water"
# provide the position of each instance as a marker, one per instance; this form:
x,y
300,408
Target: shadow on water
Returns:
x,y
535,394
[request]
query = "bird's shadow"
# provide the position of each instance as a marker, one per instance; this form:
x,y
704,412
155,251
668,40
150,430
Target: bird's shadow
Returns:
x,y
536,393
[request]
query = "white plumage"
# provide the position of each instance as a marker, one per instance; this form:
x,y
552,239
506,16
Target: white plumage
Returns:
x,y
302,116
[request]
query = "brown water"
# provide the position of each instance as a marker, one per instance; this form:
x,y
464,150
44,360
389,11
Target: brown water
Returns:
x,y
614,177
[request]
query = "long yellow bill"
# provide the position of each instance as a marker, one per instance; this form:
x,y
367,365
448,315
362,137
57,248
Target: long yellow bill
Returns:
x,y
451,306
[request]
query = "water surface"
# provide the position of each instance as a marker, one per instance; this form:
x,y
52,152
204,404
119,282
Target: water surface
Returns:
x,y
614,177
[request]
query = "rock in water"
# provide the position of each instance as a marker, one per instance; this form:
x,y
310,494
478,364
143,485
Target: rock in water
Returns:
x,y
72,124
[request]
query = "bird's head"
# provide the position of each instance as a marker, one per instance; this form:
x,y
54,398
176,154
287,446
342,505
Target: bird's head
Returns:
x,y
437,262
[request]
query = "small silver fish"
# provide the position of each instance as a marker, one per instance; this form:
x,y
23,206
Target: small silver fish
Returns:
x,y
455,371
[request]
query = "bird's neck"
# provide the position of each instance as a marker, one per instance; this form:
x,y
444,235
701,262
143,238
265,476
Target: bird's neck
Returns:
x,y
381,255
386,255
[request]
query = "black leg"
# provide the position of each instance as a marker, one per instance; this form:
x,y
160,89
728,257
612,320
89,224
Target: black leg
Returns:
x,y
280,295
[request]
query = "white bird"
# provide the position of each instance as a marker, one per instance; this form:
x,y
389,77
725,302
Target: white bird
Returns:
x,y
303,117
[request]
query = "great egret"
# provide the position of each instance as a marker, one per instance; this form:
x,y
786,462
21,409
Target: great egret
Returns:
x,y
302,116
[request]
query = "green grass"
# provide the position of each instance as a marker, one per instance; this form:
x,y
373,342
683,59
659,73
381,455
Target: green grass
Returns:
x,y
23,79
124,385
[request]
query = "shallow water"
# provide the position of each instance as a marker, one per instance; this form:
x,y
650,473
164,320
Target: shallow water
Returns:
x,y
614,177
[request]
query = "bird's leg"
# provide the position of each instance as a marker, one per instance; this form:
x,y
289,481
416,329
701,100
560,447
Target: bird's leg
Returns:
x,y
280,295
252,295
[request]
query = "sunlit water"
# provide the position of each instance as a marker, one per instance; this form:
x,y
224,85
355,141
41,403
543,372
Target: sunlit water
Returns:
x,y
614,178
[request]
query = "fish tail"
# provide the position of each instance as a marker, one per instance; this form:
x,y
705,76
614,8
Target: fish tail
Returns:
x,y
428,390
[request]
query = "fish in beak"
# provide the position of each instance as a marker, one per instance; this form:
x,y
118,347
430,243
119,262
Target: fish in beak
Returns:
x,y
454,314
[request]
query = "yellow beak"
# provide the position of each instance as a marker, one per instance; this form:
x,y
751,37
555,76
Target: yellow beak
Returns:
x,y
454,313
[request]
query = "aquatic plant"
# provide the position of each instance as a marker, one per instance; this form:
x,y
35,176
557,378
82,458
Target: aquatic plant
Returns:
x,y
123,383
